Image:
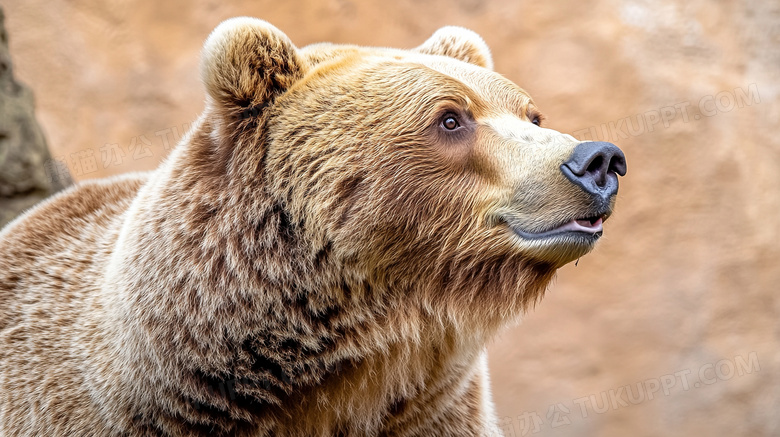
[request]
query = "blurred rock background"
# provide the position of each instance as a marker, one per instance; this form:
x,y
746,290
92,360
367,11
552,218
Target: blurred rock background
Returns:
x,y
672,326
23,152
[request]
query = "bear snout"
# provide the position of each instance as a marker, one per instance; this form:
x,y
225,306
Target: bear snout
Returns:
x,y
594,166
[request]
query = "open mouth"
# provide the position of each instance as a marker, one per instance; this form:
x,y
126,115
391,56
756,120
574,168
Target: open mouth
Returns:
x,y
586,227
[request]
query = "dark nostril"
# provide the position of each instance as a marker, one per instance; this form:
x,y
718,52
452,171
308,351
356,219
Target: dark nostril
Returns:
x,y
594,166
617,165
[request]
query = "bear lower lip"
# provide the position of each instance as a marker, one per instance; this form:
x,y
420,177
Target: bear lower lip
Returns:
x,y
586,227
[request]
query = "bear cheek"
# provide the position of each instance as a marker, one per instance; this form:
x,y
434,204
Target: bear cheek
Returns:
x,y
454,150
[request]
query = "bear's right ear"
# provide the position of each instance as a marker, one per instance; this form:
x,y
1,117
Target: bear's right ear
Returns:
x,y
246,63
459,43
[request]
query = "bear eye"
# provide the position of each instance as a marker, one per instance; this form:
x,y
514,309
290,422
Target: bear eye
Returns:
x,y
535,117
450,122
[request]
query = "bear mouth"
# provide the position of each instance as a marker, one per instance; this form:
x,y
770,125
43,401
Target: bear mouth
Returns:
x,y
589,227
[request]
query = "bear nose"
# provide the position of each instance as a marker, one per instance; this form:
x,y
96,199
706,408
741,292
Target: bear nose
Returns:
x,y
594,166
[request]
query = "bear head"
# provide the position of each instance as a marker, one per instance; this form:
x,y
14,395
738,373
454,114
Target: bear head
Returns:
x,y
422,170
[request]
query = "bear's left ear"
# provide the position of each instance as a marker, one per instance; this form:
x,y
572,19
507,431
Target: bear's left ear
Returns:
x,y
246,63
459,43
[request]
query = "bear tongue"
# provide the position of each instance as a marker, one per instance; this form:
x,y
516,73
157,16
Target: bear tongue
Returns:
x,y
588,226
582,226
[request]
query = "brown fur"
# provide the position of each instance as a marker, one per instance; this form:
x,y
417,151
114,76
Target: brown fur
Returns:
x,y
316,257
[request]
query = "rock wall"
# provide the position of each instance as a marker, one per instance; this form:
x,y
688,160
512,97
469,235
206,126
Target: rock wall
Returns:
x,y
671,326
23,152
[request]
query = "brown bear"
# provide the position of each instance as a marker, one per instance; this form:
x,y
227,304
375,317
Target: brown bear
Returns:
x,y
327,251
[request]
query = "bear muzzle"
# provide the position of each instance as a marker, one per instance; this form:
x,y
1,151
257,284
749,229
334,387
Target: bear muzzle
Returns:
x,y
594,167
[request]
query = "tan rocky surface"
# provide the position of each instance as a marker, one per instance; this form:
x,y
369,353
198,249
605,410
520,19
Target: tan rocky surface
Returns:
x,y
24,157
686,278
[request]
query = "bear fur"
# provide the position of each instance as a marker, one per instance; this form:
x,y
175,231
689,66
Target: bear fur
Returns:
x,y
320,255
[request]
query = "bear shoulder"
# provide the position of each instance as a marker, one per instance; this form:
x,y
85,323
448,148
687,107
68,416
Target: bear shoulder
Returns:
x,y
60,229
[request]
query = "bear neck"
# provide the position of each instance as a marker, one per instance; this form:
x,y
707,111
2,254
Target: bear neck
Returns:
x,y
243,315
